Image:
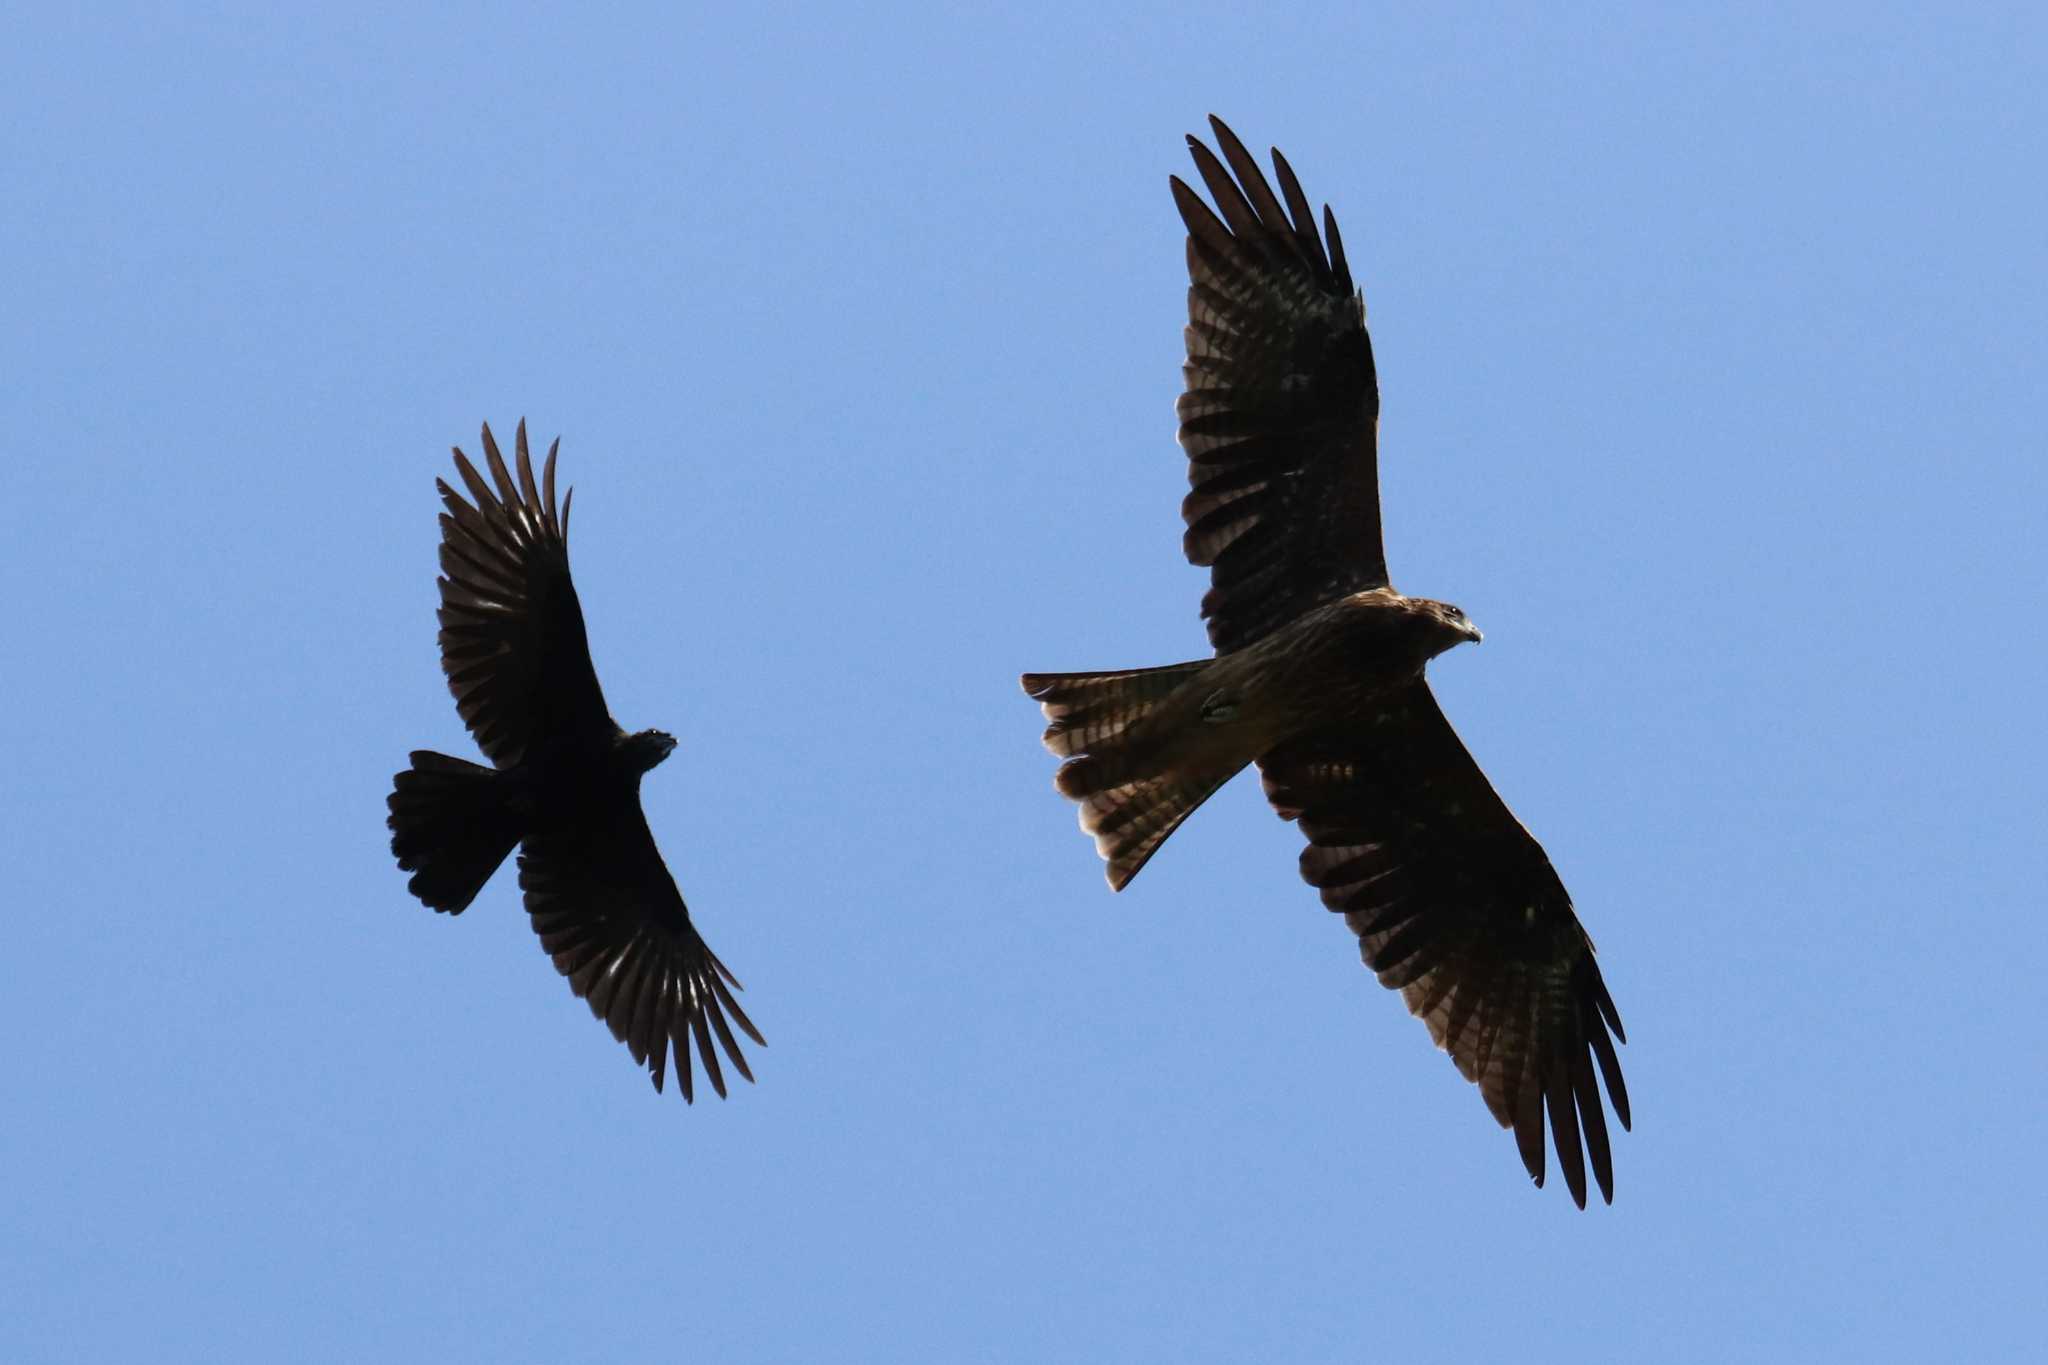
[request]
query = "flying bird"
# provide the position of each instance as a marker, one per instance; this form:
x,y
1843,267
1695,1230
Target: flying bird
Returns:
x,y
1318,678
565,782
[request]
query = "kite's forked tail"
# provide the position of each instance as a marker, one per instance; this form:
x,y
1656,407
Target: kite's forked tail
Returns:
x,y
1135,782
452,823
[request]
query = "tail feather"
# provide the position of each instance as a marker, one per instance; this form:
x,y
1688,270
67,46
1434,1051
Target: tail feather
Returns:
x,y
452,823
1128,803
1088,709
1131,821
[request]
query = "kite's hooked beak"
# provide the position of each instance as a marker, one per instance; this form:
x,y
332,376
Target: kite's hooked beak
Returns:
x,y
1472,631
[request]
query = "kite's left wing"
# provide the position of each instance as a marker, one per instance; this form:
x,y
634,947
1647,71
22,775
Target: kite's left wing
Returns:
x,y
1456,906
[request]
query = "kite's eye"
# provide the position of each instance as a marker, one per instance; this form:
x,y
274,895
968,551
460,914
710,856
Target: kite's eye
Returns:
x,y
1455,613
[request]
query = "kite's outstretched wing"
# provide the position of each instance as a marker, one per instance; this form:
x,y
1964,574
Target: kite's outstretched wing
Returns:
x,y
1456,906
512,640
1281,414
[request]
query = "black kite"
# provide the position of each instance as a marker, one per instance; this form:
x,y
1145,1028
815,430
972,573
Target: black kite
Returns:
x,y
1318,678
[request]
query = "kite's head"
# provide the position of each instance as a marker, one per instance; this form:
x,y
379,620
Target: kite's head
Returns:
x,y
1448,624
647,748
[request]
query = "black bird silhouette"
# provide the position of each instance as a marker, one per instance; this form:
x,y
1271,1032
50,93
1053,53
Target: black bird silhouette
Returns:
x,y
1318,678
566,782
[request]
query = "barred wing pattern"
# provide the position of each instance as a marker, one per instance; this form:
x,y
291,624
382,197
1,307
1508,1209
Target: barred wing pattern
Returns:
x,y
1457,907
512,638
609,915
1280,417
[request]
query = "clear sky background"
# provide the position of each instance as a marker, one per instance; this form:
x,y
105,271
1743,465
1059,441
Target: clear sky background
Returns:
x,y
1711,353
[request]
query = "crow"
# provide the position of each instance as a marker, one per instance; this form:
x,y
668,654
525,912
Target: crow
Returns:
x,y
565,782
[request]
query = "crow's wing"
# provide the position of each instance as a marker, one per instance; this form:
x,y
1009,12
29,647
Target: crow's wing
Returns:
x,y
1281,414
1456,906
512,639
608,913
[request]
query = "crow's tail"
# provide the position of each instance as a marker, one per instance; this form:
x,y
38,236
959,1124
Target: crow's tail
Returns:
x,y
452,823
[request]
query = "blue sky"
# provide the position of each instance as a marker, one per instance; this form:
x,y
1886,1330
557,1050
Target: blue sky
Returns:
x,y
1710,354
